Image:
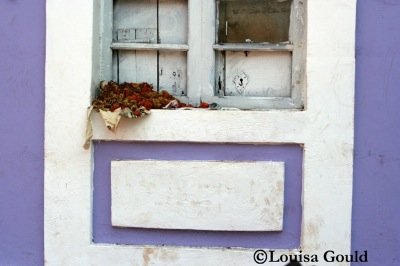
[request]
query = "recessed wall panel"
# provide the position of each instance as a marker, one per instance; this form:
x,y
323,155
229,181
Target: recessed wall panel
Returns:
x,y
224,196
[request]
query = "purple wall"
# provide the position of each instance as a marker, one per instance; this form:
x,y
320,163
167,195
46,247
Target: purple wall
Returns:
x,y
22,57
376,219
376,216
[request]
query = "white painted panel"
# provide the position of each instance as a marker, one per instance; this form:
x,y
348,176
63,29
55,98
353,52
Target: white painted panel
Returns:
x,y
142,15
173,72
136,66
173,21
262,74
135,14
242,196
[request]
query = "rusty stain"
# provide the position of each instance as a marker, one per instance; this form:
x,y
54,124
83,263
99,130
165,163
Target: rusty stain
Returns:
x,y
279,186
311,232
147,252
312,229
166,256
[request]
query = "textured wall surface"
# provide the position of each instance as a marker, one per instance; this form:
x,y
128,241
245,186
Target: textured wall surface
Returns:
x,y
375,206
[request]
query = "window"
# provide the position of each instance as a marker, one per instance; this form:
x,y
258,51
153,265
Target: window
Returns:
x,y
245,54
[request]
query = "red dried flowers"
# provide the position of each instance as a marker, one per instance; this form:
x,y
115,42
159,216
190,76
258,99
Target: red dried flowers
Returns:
x,y
134,99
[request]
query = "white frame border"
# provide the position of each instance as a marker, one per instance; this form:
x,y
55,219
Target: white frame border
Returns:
x,y
325,128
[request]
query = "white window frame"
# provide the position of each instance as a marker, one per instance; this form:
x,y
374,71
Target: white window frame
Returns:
x,y
325,127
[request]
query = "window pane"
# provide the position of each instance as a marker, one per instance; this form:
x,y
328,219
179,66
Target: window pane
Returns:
x,y
257,21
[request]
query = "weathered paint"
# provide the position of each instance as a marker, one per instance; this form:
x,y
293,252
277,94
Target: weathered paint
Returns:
x,y
173,18
377,131
197,195
141,66
167,69
261,73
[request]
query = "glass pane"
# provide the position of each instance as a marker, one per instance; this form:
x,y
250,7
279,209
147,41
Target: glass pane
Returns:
x,y
256,21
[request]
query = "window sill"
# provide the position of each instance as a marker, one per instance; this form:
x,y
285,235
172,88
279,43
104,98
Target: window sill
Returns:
x,y
212,126
256,103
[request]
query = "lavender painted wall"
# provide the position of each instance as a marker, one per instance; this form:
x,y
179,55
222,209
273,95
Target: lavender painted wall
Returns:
x,y
376,216
22,57
376,220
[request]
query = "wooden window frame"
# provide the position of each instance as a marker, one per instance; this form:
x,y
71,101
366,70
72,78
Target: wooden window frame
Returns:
x,y
296,46
201,51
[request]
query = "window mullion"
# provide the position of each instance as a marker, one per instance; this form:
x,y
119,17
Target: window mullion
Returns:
x,y
207,51
298,38
194,62
105,35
